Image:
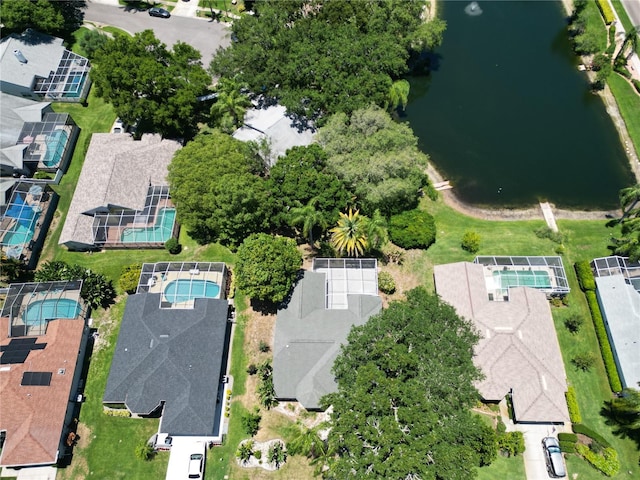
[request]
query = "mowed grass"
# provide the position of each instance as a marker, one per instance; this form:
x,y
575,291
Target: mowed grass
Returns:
x,y
503,468
628,101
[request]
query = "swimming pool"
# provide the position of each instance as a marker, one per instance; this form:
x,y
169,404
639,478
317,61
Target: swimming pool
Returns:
x,y
22,231
56,143
159,233
523,278
183,290
50,309
74,85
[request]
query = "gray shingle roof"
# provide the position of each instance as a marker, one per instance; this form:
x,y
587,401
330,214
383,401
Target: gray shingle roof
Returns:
x,y
170,355
43,53
621,307
308,339
519,349
117,171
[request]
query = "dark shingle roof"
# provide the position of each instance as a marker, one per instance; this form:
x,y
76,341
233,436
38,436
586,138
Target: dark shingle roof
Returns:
x,y
170,355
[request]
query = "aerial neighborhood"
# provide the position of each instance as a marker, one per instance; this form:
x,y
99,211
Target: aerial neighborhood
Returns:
x,y
266,239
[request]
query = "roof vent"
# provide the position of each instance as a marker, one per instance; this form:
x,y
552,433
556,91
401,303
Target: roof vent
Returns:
x,y
61,371
20,56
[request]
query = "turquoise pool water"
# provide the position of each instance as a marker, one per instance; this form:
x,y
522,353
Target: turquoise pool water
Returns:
x,y
519,278
159,233
55,147
49,309
183,290
74,86
21,234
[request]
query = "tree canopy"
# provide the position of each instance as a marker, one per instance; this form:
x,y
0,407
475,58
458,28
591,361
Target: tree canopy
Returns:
x,y
267,267
321,57
150,84
405,389
55,18
301,176
377,157
216,186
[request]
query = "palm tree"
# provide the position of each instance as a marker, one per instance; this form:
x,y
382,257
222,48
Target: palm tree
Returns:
x,y
350,234
629,197
308,442
231,105
398,94
377,235
309,218
630,40
628,246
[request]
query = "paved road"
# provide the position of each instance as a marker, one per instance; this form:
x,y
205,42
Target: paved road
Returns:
x,y
201,34
633,10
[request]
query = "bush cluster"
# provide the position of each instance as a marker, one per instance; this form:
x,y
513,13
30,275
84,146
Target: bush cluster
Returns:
x,y
606,11
584,430
511,443
128,281
572,405
585,275
413,229
116,412
471,241
266,391
546,232
173,246
386,283
606,463
603,340
251,422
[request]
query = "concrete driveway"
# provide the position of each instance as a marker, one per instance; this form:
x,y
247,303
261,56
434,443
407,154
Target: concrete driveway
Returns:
x,y
202,34
534,463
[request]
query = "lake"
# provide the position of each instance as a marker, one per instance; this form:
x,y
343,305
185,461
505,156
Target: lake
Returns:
x,y
507,117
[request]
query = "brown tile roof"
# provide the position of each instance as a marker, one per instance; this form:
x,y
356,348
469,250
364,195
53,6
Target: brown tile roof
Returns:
x,y
117,171
33,416
518,349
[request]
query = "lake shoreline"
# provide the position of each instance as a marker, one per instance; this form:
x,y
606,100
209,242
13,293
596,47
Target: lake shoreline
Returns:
x,y
534,212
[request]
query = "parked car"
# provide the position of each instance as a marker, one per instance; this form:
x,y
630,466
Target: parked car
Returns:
x,y
196,465
553,457
159,12
119,126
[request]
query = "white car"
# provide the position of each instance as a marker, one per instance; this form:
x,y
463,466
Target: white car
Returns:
x,y
196,465
119,126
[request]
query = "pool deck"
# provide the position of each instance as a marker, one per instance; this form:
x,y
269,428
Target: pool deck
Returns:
x,y
157,285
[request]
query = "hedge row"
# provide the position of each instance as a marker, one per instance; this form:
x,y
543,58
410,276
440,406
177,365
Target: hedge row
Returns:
x,y
603,340
568,447
116,412
607,12
585,276
572,405
568,437
584,430
607,463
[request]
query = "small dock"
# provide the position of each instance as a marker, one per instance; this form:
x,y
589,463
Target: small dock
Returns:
x,y
547,212
442,185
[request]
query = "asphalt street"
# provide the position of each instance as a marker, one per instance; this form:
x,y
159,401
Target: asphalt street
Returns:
x,y
202,34
633,10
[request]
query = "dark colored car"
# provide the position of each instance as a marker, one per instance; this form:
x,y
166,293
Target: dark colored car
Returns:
x,y
159,12
553,457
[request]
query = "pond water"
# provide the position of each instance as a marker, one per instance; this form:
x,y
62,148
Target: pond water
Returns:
x,y
507,117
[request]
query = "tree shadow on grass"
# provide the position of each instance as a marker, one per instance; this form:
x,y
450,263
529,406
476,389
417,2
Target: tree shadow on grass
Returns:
x,y
625,424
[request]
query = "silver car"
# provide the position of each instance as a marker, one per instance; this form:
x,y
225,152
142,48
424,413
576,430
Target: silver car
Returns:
x,y
553,457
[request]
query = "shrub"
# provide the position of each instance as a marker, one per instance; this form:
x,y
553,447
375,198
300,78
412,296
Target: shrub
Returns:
x,y
584,361
252,369
92,41
277,454
511,443
573,323
471,242
568,437
117,412
263,346
251,422
567,447
413,229
546,232
603,340
606,11
245,450
144,451
585,276
606,463
584,430
572,405
40,175
386,283
258,454
128,281
173,246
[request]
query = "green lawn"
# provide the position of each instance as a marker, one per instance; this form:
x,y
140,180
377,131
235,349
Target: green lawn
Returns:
x,y
628,101
624,18
596,23
511,468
